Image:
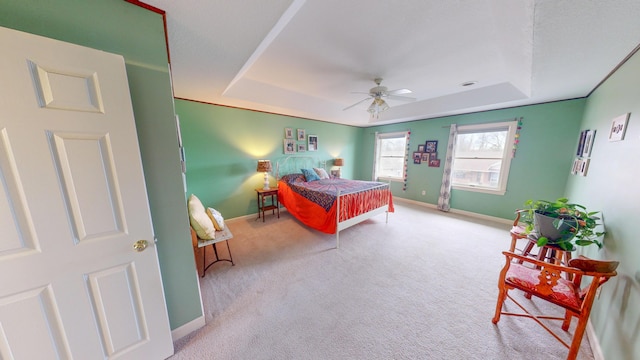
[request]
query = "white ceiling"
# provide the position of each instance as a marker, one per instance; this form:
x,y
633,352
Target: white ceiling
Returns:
x,y
305,58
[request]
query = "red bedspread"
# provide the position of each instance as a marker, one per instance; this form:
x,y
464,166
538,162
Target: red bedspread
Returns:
x,y
357,197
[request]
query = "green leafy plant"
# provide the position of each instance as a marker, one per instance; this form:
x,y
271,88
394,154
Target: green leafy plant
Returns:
x,y
579,224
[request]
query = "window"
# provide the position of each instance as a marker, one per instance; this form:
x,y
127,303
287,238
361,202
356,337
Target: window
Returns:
x,y
391,150
482,157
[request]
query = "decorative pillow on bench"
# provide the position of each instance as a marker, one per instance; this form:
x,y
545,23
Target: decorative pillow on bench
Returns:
x,y
216,218
200,221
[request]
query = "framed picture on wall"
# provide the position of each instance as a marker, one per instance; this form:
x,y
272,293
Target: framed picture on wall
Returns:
x,y
288,133
619,127
420,148
583,134
425,158
417,157
431,146
588,143
584,166
289,146
302,147
434,163
313,143
301,135
577,163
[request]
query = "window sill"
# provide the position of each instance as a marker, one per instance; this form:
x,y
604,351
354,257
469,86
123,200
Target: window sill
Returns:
x,y
480,189
389,179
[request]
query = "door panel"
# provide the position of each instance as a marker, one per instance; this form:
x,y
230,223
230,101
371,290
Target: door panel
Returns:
x,y
74,202
84,163
120,318
15,220
67,90
37,308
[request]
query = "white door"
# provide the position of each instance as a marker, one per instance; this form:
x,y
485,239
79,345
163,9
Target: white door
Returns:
x,y
72,205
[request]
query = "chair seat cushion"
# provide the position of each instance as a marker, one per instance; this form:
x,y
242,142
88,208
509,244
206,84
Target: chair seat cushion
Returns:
x,y
526,278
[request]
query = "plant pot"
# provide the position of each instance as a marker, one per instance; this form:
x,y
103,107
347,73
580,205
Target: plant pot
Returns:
x,y
545,226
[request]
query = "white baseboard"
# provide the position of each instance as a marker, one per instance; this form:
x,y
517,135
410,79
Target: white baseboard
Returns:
x,y
194,324
456,211
594,343
188,328
253,216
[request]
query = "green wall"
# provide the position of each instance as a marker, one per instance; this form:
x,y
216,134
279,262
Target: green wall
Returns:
x,y
222,146
137,34
611,186
539,170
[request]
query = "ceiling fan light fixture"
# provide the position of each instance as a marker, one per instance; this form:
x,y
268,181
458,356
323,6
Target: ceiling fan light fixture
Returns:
x,y
377,106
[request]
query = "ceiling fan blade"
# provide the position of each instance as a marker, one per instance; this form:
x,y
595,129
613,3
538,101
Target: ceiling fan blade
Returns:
x,y
399,92
401,98
358,103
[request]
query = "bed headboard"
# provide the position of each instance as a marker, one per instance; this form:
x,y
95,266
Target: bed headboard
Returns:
x,y
292,164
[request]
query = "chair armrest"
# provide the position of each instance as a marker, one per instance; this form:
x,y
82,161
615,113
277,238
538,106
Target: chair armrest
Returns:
x,y
595,266
526,259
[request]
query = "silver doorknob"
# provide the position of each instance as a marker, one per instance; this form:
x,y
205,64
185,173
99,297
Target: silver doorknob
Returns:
x,y
140,245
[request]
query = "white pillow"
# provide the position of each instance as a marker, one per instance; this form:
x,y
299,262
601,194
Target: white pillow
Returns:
x,y
322,173
200,221
216,218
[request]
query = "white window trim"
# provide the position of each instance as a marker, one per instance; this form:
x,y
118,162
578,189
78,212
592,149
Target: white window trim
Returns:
x,y
389,135
389,179
506,156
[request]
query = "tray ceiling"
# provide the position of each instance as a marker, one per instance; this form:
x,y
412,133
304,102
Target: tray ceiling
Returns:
x,y
306,58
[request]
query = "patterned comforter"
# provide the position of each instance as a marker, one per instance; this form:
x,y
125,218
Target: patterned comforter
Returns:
x,y
324,192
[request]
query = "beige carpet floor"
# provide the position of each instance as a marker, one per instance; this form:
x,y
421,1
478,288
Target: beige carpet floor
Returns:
x,y
422,286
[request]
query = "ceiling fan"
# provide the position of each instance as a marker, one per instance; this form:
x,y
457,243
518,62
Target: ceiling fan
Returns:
x,y
378,94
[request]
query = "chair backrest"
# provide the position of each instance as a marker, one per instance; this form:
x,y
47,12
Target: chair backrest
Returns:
x,y
550,274
517,231
591,265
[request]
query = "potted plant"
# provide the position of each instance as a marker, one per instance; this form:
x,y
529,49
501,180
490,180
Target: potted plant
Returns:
x,y
561,223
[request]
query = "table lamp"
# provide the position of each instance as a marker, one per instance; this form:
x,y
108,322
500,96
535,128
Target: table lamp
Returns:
x,y
264,166
338,162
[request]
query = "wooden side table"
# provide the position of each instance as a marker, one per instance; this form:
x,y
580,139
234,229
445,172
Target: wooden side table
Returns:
x,y
273,206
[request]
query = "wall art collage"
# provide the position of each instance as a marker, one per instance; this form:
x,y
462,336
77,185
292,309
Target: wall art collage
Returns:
x,y
299,142
427,153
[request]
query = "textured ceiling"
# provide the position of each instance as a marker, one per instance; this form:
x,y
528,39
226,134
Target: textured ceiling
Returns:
x,y
306,58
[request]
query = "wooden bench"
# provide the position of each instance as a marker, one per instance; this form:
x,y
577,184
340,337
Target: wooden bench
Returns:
x,y
200,246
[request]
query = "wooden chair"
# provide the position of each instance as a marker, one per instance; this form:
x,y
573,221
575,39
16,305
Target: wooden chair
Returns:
x,y
545,281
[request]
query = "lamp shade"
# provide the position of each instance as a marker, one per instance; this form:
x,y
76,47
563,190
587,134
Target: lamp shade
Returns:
x,y
264,166
338,162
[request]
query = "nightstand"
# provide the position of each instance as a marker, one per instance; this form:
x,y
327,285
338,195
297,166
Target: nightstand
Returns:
x,y
273,206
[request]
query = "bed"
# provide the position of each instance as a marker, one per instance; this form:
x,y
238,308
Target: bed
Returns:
x,y
329,205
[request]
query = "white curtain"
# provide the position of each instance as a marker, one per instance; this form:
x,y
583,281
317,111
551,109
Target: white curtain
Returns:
x,y
445,188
